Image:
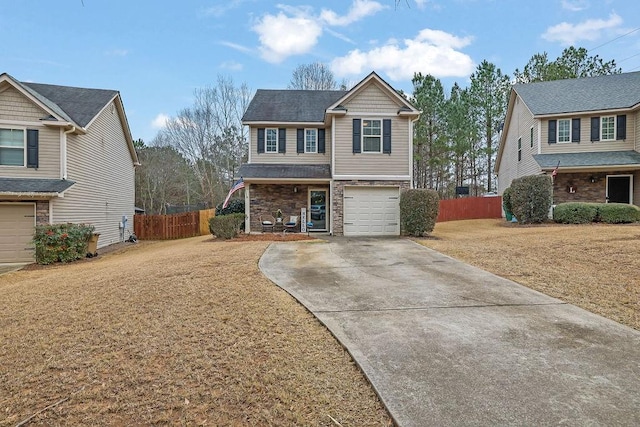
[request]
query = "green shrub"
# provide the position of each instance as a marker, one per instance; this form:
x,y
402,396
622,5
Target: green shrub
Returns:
x,y
531,198
575,213
506,203
234,206
618,213
61,242
226,226
418,211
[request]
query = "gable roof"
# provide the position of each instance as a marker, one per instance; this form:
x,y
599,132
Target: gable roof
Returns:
x,y
290,105
610,92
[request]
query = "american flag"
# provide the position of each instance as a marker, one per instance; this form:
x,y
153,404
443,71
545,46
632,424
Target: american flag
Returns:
x,y
237,186
555,171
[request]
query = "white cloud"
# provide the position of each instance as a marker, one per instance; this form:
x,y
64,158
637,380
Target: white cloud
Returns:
x,y
430,52
231,66
223,8
575,5
237,47
160,121
282,36
591,29
359,9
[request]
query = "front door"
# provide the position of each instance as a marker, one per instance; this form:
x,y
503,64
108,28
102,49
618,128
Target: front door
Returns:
x,y
318,209
619,189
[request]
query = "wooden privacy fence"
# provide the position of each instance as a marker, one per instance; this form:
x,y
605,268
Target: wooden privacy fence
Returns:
x,y
177,226
470,208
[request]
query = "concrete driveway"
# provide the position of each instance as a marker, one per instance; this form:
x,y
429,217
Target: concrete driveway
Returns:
x,y
444,343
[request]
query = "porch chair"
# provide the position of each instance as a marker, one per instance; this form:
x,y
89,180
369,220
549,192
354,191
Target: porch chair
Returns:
x,y
292,224
267,222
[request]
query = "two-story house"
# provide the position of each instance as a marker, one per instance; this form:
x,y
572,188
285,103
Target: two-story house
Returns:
x,y
343,156
66,155
586,130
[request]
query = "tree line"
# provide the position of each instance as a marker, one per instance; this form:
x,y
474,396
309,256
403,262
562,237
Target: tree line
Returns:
x,y
193,160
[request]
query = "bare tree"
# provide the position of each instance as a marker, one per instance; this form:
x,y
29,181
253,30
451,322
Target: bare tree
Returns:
x,y
315,76
210,135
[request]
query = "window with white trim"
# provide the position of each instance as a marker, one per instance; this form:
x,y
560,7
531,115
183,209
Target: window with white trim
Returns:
x,y
531,137
564,130
12,147
271,140
608,128
519,149
371,136
311,140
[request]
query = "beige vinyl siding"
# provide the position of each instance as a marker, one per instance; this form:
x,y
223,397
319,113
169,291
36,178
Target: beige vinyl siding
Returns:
x,y
101,165
520,127
372,99
586,145
291,156
636,119
372,102
374,164
15,106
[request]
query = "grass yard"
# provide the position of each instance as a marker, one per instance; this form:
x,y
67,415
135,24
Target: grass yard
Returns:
x,y
596,267
185,332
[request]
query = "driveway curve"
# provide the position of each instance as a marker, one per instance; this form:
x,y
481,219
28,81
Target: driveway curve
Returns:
x,y
445,343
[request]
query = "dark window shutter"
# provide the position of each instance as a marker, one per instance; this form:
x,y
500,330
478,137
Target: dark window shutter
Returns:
x,y
300,141
321,142
386,136
575,130
595,128
552,131
32,148
260,140
282,140
357,129
621,127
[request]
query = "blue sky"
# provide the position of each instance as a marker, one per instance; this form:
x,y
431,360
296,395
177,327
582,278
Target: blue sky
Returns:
x,y
157,52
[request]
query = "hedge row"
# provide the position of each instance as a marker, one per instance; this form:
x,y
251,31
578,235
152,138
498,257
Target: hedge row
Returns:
x,y
61,242
226,226
584,213
418,211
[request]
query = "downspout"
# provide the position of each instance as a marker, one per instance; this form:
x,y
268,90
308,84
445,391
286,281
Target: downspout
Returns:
x,y
63,152
411,148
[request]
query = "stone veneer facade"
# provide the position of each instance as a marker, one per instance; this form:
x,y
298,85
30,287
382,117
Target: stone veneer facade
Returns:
x,y
42,212
585,190
266,199
337,205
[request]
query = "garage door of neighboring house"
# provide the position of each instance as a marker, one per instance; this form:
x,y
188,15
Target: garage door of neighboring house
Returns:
x,y
371,211
17,222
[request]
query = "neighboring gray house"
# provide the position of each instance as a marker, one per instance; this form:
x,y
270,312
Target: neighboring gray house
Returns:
x,y
344,156
66,155
588,128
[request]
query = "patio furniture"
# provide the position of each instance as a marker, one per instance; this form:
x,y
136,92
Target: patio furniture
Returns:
x,y
267,222
292,224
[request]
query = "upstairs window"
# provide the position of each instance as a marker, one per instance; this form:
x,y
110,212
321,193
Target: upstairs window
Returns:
x,y
531,137
608,128
311,140
371,136
564,130
12,147
271,145
519,149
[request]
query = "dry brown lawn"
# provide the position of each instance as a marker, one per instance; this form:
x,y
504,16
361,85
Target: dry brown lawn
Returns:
x,y
185,332
596,267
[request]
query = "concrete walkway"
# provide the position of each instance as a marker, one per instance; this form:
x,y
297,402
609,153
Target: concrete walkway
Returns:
x,y
444,343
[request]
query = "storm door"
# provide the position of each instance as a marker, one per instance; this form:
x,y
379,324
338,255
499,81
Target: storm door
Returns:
x,y
619,189
318,209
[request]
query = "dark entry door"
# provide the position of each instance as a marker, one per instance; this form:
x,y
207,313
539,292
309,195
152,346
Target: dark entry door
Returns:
x,y
619,189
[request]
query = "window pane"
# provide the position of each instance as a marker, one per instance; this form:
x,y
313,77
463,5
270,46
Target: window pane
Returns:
x,y
371,127
12,156
371,144
564,130
607,126
272,140
11,138
310,141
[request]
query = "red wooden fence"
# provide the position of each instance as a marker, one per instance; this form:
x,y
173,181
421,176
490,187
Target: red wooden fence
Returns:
x,y
470,208
164,227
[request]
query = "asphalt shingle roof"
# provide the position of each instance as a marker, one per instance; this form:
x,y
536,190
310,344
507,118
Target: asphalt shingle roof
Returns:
x,y
81,105
290,105
34,185
278,171
603,158
585,94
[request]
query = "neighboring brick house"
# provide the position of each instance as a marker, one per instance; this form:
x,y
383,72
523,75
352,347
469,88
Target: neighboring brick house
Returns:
x,y
588,128
342,156
66,155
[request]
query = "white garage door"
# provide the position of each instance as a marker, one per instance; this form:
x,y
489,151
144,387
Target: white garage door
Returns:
x,y
371,211
17,222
